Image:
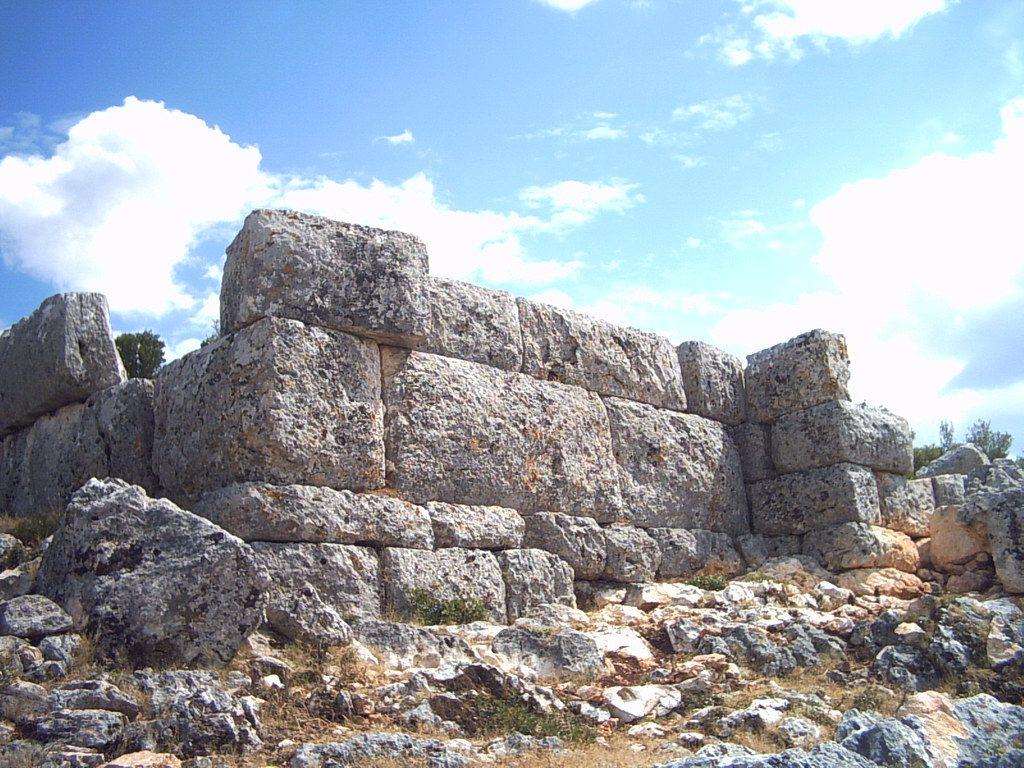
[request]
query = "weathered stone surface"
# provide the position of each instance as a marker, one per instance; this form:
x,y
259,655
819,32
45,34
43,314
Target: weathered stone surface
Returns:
x,y
94,728
579,541
634,702
33,617
534,577
60,354
633,556
300,614
801,570
713,382
857,545
838,431
961,460
277,402
906,505
444,574
473,323
1006,535
956,539
346,578
751,441
573,348
882,581
456,525
559,654
401,646
949,489
466,433
687,553
149,580
311,514
819,498
343,276
676,470
807,370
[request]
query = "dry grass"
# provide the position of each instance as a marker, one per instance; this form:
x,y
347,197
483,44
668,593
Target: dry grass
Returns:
x,y
30,529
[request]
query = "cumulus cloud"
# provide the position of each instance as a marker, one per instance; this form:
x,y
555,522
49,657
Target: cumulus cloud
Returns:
x,y
717,114
572,203
405,137
569,6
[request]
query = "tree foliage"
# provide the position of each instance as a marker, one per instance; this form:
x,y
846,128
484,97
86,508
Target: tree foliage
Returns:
x,y
995,444
142,353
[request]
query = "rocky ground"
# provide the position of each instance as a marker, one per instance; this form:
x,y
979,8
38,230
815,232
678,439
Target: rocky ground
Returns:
x,y
778,668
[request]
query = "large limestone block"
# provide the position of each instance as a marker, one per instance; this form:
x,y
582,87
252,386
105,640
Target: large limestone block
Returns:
x,y
949,489
751,441
466,433
358,279
315,515
534,577
562,345
456,525
713,381
150,581
838,431
579,541
857,545
633,556
277,402
411,575
60,354
688,553
956,538
882,581
819,498
346,578
807,370
906,505
677,470
961,460
473,323
1006,534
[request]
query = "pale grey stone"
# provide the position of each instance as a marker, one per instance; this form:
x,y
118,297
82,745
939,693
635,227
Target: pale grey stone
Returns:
x,y
33,617
949,489
300,614
444,574
457,525
819,498
534,577
807,370
961,460
676,470
93,728
315,515
12,551
713,381
906,505
689,552
751,441
1006,535
552,654
579,541
573,348
633,556
60,354
151,581
18,580
754,548
93,694
858,545
119,423
278,402
473,323
351,278
466,433
839,431
346,578
782,546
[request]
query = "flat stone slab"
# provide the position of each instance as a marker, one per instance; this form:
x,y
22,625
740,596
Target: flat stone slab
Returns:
x,y
60,354
458,525
807,370
473,323
907,505
277,402
573,348
315,515
819,498
713,381
534,577
466,433
351,278
412,575
839,431
677,470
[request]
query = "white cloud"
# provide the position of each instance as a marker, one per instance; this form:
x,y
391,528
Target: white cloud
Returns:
x,y
405,137
569,6
572,203
717,114
600,132
181,348
689,161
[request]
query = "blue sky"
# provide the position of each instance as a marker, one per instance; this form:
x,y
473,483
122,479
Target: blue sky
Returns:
x,y
735,171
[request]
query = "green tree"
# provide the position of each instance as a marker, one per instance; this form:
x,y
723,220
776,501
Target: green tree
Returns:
x,y
142,353
926,454
947,437
996,445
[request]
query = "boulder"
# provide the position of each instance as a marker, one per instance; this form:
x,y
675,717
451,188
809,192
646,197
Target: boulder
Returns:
x,y
882,581
473,323
858,545
687,553
551,654
751,441
60,354
799,570
579,541
315,515
713,382
33,617
956,539
635,702
534,577
906,505
573,348
277,402
92,728
818,498
465,433
403,646
411,576
810,369
1006,536
949,489
632,555
839,431
12,551
456,525
150,581
357,279
144,759
961,460
676,470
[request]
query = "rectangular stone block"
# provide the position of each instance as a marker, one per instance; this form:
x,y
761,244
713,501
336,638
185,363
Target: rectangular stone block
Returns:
x,y
688,553
465,433
534,577
351,278
818,498
458,525
633,556
410,575
676,470
807,370
857,545
713,381
60,354
907,505
579,541
310,514
277,402
566,346
949,489
751,441
839,431
473,323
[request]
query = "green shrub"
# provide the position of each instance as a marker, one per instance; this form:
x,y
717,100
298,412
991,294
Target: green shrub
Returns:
x,y
142,353
754,576
431,610
709,581
499,717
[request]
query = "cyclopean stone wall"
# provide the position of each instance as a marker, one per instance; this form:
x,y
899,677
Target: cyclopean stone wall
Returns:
x,y
376,433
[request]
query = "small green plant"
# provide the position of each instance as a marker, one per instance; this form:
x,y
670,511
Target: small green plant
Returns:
x,y
709,581
755,576
432,610
499,717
